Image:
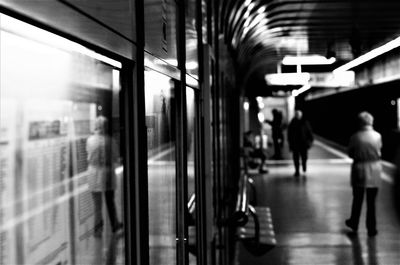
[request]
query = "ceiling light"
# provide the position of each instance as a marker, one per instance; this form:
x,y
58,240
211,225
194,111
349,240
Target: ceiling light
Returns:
x,y
285,79
251,6
261,9
29,31
370,55
246,105
307,60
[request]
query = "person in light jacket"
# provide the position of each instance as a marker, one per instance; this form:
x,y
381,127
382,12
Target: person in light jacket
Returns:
x,y
102,157
365,150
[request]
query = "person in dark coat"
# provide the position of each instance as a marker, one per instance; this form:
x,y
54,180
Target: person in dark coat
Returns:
x,y
277,132
300,138
365,150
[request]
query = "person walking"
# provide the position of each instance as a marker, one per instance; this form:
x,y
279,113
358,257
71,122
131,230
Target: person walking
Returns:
x,y
300,138
365,150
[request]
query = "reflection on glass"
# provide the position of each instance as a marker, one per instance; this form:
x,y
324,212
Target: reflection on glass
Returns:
x,y
59,138
102,158
204,12
160,18
190,106
160,123
191,116
191,38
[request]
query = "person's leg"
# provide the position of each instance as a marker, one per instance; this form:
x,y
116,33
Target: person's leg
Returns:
x,y
304,157
358,196
97,211
296,161
262,157
112,212
277,147
371,215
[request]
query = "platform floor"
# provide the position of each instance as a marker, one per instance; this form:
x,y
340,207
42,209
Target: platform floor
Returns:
x,y
308,215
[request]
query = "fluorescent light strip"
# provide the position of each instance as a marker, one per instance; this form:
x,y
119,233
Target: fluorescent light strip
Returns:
x,y
285,79
370,55
308,60
37,34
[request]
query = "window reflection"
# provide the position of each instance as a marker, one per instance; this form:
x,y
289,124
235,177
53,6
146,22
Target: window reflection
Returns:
x,y
160,123
53,93
191,38
191,196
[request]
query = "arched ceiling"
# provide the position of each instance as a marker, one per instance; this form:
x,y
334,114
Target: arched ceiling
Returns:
x,y
262,32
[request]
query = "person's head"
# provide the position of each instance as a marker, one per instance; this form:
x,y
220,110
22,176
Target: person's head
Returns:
x,y
100,125
298,114
365,119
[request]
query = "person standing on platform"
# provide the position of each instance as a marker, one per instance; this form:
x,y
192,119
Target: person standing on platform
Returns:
x,y
365,150
102,158
277,132
300,138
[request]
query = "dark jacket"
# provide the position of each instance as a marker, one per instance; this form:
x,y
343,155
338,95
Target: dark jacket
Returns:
x,y
300,135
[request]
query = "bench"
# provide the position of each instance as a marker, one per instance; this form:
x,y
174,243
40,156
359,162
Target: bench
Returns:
x,y
254,224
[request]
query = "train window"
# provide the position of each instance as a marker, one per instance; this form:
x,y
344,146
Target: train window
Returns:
x,y
60,161
160,123
192,66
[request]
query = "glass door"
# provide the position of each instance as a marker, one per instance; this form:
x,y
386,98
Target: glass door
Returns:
x,y
192,173
161,145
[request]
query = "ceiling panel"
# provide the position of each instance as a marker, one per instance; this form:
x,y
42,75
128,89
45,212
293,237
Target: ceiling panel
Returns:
x,y
348,28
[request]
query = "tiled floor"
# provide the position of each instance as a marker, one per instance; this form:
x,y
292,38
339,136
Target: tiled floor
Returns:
x,y
308,216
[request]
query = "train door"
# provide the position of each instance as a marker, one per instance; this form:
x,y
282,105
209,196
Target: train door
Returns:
x,y
160,104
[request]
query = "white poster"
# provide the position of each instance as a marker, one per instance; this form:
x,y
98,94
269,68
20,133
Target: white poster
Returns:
x,y
7,177
45,180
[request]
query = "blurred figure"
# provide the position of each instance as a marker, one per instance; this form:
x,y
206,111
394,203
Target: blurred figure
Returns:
x,y
365,150
102,158
252,152
300,138
277,132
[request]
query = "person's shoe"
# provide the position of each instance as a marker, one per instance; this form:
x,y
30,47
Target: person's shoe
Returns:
x,y
296,174
350,225
372,233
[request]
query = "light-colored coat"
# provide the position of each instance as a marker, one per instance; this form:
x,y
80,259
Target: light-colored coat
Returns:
x,y
365,150
102,155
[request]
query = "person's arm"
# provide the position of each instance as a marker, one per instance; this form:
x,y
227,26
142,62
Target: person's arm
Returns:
x,y
380,145
115,152
310,134
268,121
290,135
351,146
